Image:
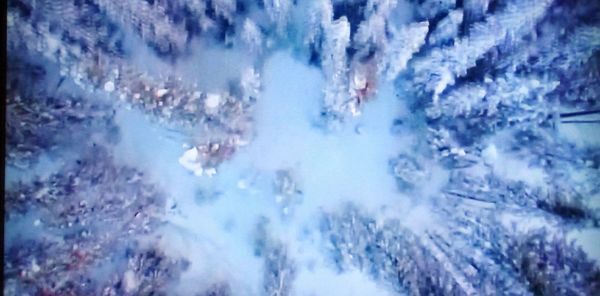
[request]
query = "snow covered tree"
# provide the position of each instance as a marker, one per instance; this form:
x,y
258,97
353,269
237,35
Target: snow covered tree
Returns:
x,y
474,110
429,9
279,269
472,254
93,67
372,30
335,65
73,208
250,84
279,13
579,89
447,29
486,99
252,36
400,48
519,80
448,150
475,10
440,68
224,8
150,22
320,14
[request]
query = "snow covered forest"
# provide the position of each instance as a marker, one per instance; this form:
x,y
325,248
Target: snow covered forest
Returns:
x,y
302,147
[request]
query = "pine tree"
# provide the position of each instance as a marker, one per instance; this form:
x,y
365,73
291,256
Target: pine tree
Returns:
x,y
429,9
252,36
440,68
150,22
447,29
400,48
279,13
335,65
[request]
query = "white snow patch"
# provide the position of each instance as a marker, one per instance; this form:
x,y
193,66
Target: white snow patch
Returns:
x,y
130,283
161,92
212,101
518,170
419,219
588,240
331,167
490,154
325,281
594,201
510,166
109,86
190,161
582,135
523,222
154,150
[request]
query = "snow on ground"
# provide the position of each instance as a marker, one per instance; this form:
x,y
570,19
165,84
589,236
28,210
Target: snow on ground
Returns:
x,y
505,164
581,135
330,168
578,133
584,136
587,239
323,281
